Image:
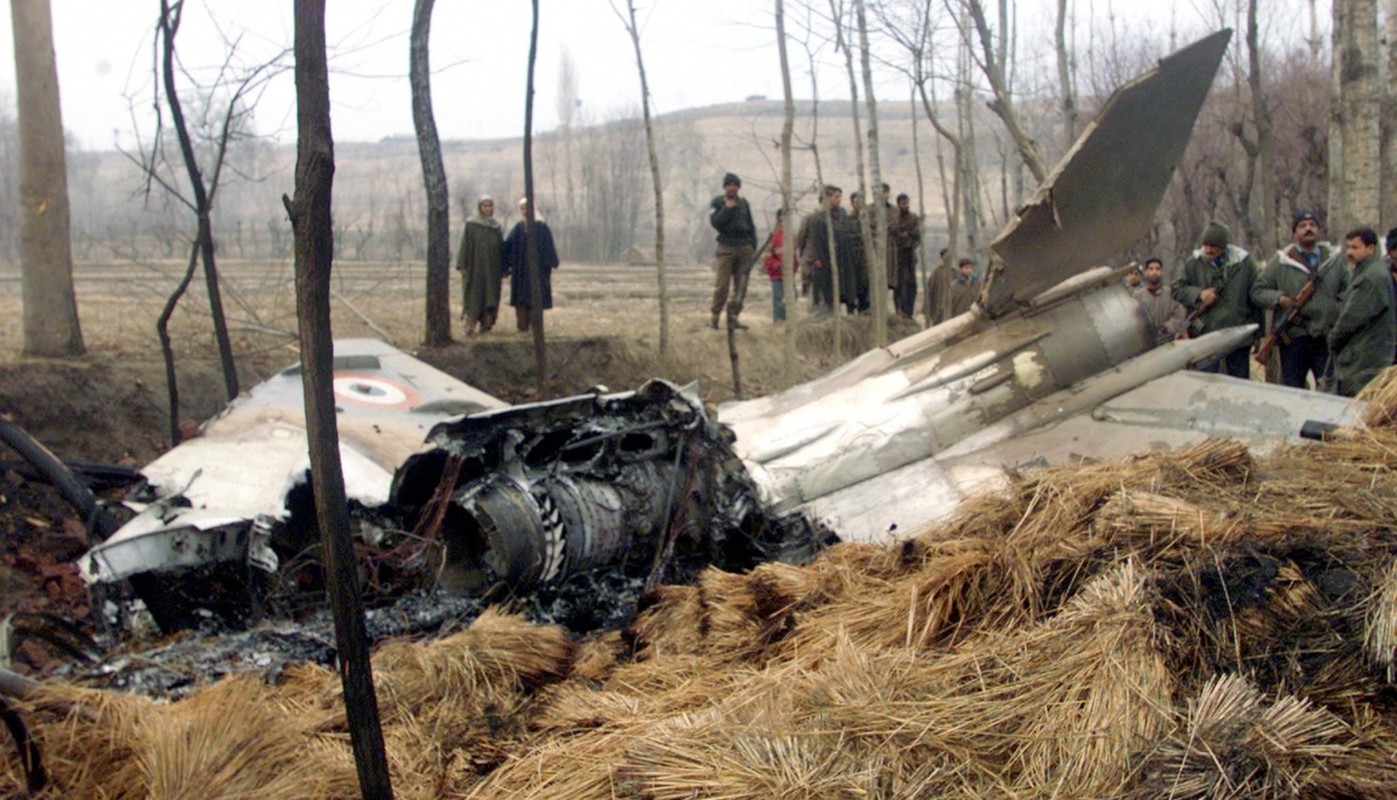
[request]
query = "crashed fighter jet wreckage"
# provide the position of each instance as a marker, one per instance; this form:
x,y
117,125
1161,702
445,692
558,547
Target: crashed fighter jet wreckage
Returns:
x,y
1055,363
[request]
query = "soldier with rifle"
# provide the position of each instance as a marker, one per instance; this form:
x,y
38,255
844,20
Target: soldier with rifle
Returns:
x,y
1302,284
1215,285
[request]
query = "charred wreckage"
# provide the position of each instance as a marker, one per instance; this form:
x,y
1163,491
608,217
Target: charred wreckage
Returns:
x,y
554,495
603,494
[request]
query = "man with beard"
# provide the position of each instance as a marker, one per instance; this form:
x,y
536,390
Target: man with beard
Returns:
x,y
480,261
1167,316
1303,349
904,234
1365,332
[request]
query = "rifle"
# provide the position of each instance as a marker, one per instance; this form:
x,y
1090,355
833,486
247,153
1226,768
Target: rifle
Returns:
x,y
1193,317
1282,325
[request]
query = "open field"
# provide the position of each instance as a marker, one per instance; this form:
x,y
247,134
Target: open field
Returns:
x,y
603,330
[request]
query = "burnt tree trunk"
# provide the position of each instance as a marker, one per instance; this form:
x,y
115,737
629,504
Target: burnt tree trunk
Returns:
x,y
437,331
310,219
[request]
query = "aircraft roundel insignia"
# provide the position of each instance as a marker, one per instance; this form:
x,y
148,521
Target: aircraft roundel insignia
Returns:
x,y
374,391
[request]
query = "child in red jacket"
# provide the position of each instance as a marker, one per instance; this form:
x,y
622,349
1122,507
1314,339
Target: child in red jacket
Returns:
x,y
771,262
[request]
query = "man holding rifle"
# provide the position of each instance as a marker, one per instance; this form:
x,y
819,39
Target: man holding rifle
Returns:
x,y
1215,285
1302,283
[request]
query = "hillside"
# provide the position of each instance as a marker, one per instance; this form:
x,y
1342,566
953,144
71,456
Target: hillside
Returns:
x,y
379,195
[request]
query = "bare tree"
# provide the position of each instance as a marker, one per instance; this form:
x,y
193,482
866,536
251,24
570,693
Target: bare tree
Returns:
x,y
628,20
202,200
1389,123
567,104
992,64
788,118
50,306
438,305
310,218
878,253
1354,130
914,34
531,259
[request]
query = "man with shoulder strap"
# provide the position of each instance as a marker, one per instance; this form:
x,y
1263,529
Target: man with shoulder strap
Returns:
x,y
1215,286
1303,350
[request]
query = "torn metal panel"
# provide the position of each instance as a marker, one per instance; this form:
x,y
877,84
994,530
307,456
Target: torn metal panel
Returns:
x,y
201,497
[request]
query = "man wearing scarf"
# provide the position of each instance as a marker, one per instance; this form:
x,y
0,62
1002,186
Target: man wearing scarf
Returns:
x,y
481,262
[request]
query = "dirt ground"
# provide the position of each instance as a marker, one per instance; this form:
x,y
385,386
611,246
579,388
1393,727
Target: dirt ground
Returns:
x,y
111,407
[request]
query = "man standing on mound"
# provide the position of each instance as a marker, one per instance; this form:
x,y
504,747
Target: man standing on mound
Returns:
x,y
737,241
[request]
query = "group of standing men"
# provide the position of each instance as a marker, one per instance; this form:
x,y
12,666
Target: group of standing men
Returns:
x,y
1336,307
829,241
486,256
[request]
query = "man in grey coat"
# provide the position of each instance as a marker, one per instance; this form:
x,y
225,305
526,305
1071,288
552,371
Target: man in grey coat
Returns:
x,y
1304,350
1365,333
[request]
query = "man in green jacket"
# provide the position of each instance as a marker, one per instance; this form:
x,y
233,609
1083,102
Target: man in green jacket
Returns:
x,y
1365,333
730,215
1304,350
1215,286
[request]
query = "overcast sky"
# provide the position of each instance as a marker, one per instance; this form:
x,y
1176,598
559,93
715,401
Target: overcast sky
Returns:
x,y
697,52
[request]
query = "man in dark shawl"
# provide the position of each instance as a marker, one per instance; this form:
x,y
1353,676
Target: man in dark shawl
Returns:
x,y
516,265
480,260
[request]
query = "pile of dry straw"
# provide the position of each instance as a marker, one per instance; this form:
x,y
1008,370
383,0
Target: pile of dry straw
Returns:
x,y
1188,625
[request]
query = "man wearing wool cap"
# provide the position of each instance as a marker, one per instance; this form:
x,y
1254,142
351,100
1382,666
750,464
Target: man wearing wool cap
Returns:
x,y
1215,286
1303,350
737,241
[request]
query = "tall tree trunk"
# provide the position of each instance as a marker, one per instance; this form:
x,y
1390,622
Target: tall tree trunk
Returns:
x,y
50,307
1389,124
310,218
170,17
1264,214
788,217
1354,130
842,43
921,196
878,254
438,311
1064,77
823,207
656,182
531,260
